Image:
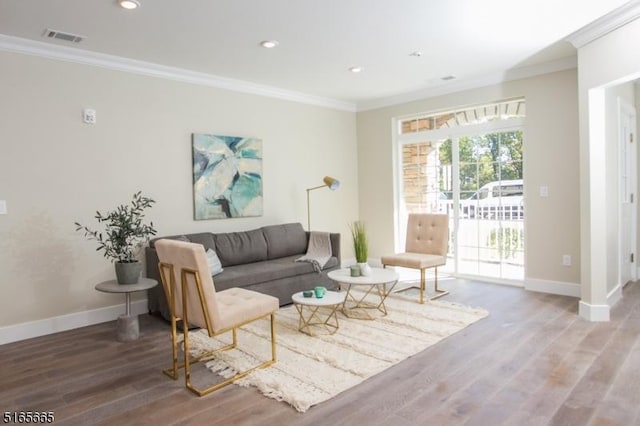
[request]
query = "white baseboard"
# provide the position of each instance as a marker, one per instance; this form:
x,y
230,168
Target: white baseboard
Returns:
x,y
27,330
553,287
593,312
601,312
614,296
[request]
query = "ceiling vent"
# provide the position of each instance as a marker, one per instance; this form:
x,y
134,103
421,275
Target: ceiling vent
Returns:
x,y
63,36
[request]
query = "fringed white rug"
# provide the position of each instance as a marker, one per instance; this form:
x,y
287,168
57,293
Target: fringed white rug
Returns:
x,y
311,370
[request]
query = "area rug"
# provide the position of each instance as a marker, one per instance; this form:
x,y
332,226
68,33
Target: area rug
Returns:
x,y
311,370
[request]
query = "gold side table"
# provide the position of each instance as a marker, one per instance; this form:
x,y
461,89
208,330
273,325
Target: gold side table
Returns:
x,y
318,312
127,327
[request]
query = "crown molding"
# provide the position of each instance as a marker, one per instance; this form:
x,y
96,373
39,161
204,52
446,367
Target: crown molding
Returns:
x,y
604,25
84,57
566,63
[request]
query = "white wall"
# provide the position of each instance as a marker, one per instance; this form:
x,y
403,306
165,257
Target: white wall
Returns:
x,y
551,159
55,170
607,61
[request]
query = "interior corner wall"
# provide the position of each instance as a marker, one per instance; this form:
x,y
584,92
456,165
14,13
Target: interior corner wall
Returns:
x,y
609,60
56,170
550,159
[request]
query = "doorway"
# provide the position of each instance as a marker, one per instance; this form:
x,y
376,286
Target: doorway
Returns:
x,y
627,177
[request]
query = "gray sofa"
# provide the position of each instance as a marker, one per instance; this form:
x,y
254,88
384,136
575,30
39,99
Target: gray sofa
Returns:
x,y
261,259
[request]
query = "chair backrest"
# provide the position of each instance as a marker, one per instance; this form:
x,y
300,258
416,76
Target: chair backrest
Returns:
x,y
185,256
427,234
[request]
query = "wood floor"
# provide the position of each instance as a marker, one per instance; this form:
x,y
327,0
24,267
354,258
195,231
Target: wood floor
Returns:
x,y
533,361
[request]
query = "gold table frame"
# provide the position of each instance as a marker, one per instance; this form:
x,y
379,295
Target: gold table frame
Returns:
x,y
379,284
310,309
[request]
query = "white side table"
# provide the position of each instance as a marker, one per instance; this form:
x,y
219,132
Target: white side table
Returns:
x,y
309,307
128,327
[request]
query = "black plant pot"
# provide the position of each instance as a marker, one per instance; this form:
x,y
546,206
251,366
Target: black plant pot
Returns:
x,y
128,273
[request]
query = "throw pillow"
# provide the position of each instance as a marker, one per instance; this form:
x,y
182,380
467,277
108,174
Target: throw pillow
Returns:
x,y
215,266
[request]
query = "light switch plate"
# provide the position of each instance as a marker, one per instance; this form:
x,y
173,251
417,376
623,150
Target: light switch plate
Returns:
x,y
3,207
544,191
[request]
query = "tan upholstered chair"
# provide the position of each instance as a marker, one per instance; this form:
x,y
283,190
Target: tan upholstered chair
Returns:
x,y
193,299
426,247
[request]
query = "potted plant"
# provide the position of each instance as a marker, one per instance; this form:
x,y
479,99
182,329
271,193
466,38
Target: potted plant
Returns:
x,y
360,245
124,234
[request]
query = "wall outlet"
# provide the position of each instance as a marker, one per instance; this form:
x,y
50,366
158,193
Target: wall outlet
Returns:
x,y
544,191
566,260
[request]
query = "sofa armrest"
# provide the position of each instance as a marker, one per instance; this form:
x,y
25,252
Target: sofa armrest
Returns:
x,y
335,246
151,257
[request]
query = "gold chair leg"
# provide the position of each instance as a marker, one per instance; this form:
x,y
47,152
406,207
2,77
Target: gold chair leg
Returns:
x,y
273,338
208,390
173,370
422,285
187,358
439,293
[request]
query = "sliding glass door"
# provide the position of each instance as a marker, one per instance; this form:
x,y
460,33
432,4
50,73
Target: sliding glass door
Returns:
x,y
475,175
490,214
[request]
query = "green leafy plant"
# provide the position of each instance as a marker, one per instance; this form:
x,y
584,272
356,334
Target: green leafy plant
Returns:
x,y
360,244
124,231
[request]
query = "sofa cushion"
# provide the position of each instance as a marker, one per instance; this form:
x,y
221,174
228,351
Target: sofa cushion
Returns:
x,y
258,272
204,238
236,248
267,271
285,240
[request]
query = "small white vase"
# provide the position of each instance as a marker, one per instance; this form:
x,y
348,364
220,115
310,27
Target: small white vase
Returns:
x,y
365,269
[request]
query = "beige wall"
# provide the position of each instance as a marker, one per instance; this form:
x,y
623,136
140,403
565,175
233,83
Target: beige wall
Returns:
x,y
607,61
55,170
551,159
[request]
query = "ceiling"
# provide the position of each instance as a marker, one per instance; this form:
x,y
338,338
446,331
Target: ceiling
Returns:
x,y
320,40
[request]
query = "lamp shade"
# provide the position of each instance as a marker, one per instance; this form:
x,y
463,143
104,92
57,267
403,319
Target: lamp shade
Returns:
x,y
332,183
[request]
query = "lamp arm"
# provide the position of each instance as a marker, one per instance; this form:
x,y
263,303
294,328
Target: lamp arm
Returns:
x,y
315,187
309,206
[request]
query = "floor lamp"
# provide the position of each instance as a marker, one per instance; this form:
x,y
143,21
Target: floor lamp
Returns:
x,y
330,183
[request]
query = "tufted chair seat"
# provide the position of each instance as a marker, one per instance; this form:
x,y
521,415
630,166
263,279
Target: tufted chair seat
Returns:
x,y
426,247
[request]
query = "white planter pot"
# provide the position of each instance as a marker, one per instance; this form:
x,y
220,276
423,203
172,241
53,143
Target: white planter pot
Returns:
x,y
365,269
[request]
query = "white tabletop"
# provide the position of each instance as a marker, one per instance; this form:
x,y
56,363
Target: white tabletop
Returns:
x,y
112,286
330,298
377,276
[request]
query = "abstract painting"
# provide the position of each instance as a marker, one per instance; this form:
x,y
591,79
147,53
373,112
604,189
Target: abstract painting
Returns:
x,y
227,176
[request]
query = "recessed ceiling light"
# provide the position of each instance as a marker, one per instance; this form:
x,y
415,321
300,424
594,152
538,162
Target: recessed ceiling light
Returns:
x,y
417,53
269,44
355,69
129,4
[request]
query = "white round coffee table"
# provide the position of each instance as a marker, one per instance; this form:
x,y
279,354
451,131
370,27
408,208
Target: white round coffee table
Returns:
x,y
370,291
310,310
